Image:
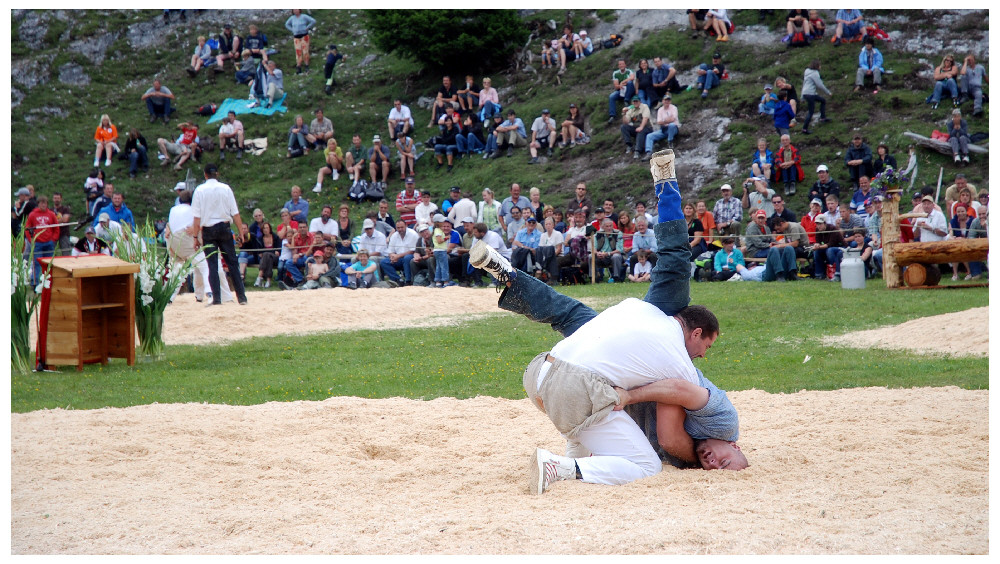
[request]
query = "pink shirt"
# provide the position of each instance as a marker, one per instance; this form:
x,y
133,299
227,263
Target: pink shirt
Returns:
x,y
663,114
488,95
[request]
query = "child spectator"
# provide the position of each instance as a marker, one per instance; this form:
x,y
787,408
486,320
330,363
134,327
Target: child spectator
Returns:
x,y
548,52
364,272
247,68
332,56
93,187
642,269
445,241
817,24
583,46
768,101
317,268
202,56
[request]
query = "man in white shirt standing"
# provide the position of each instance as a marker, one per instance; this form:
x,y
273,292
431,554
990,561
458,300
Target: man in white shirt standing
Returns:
x,y
182,246
400,119
325,227
934,227
402,244
214,207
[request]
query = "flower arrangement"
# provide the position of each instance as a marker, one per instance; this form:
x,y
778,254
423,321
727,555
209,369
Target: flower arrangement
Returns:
x,y
156,284
888,179
23,302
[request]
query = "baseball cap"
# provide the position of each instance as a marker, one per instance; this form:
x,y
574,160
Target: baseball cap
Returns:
x,y
409,180
927,199
545,111
716,55
449,220
438,218
857,136
422,227
89,229
368,224
180,185
103,217
572,105
583,32
318,254
916,195
468,219
635,98
760,213
868,202
822,168
768,87
331,47
667,96
23,192
817,201
726,187
456,189
531,219
877,198
377,139
820,219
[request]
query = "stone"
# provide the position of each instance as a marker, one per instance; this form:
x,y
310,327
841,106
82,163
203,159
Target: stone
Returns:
x,y
94,48
425,102
33,29
16,97
72,73
31,72
369,59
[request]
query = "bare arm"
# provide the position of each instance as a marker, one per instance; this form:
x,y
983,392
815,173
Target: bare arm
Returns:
x,y
670,432
671,391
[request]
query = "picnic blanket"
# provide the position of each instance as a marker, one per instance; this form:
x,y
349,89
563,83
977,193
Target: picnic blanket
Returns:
x,y
240,107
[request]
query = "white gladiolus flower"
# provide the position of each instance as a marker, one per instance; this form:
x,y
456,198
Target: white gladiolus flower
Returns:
x,y
147,286
147,299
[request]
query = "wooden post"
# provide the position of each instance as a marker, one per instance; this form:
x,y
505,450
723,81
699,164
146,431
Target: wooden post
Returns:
x,y
593,259
891,271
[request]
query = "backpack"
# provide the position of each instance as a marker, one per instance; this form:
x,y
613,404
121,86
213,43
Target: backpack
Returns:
x,y
614,40
206,143
358,191
374,192
206,109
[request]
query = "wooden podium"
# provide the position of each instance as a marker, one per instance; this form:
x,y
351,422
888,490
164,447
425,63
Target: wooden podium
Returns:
x,y
91,313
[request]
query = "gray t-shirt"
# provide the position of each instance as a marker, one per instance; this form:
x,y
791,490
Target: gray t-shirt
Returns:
x,y
974,77
163,90
541,127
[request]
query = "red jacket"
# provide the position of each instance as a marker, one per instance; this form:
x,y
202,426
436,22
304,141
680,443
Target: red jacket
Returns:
x,y
778,159
38,218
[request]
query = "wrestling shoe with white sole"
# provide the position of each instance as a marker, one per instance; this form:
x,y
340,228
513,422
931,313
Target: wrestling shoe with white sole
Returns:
x,y
487,258
546,468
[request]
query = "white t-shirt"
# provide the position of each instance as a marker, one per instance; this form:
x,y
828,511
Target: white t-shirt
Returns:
x,y
214,202
551,241
328,228
541,127
641,268
376,244
403,114
181,217
399,244
651,350
423,213
493,239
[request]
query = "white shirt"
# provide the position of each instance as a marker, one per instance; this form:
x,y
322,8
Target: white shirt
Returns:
x,y
328,228
376,244
399,245
653,350
936,220
641,268
462,209
403,113
423,213
551,240
214,202
181,217
493,239
113,230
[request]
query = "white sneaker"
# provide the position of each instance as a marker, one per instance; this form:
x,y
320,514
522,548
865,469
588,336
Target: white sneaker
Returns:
x,y
546,468
267,283
256,282
735,278
335,175
253,104
107,162
98,161
318,188
487,258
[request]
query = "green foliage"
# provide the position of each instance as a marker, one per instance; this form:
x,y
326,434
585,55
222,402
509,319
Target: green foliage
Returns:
x,y
452,40
767,331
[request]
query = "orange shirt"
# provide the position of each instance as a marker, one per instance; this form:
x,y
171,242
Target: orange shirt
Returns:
x,y
104,135
708,222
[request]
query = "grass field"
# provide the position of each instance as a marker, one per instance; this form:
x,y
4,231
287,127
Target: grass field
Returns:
x,y
767,331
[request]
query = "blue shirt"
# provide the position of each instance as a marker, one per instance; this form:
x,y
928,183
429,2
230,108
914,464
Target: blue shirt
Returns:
x,y
660,73
123,215
303,206
732,259
717,420
530,240
647,241
520,126
783,115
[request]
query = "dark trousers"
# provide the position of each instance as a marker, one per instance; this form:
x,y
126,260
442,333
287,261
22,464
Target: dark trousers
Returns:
x,y
812,100
158,109
519,257
219,238
138,158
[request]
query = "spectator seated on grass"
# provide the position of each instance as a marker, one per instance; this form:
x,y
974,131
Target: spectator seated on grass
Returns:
x,y
817,24
945,80
514,224
636,125
346,228
470,139
298,145
798,27
446,240
297,206
354,160
183,149
407,151
665,78
768,101
565,47
400,119
572,128
246,69
644,84
320,130
809,219
727,213
333,158
330,278
549,56
642,268
231,134
106,141
788,165
230,47
446,144
709,76
158,99
951,194
762,165
137,151
510,134
383,216
406,203
850,27
273,87
958,137
543,131
971,83
717,23
627,228
489,213
489,100
401,246
832,213
468,95
582,46
728,262
287,225
858,159
623,83
829,249
249,244
870,64
256,43
363,273
667,126
609,250
379,160
202,57
856,240
707,220
286,254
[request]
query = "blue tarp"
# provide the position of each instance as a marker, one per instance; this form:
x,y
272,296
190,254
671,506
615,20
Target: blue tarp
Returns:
x,y
240,107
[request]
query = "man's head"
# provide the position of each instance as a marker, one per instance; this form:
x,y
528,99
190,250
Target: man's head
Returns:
x,y
778,203
43,202
271,65
116,199
609,207
864,183
960,181
446,226
869,43
356,139
824,173
666,100
727,191
714,454
410,185
845,210
927,204
511,116
296,192
857,140
640,208
531,223
778,224
786,140
700,208
109,189
446,81
425,197
641,224
401,228
832,202
760,218
820,223
56,199
157,84
90,234
580,217
383,206
621,64
479,230
303,228
607,225
468,223
636,101
515,212
515,191
657,62
326,214
581,190
700,327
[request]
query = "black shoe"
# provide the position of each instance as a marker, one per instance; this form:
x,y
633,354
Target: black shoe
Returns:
x,y
438,167
806,131
825,120
239,154
449,168
191,72
222,156
243,301
549,154
328,90
152,118
510,151
298,70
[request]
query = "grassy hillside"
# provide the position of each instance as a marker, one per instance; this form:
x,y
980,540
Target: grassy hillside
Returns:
x,y
53,125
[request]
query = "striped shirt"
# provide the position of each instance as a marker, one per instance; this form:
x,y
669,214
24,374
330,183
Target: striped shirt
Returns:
x,y
728,212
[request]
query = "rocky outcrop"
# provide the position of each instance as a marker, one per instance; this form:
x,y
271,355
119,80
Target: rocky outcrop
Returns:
x,y
94,48
72,73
